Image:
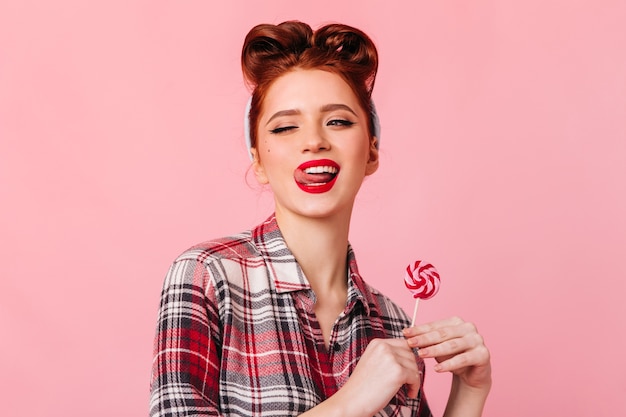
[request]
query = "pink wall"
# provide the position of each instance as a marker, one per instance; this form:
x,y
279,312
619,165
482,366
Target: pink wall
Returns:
x,y
503,163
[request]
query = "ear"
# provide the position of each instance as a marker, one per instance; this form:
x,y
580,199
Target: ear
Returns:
x,y
257,167
372,162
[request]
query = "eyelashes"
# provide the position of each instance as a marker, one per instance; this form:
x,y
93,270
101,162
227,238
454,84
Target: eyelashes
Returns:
x,y
279,130
330,123
339,122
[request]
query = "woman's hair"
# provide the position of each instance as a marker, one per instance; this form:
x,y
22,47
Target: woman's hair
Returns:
x,y
270,51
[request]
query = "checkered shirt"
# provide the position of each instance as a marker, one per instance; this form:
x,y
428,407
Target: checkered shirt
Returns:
x,y
237,335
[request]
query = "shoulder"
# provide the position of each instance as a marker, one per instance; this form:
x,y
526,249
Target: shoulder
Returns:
x,y
235,247
212,260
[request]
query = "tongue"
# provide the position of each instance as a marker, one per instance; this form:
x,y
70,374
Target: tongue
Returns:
x,y
304,178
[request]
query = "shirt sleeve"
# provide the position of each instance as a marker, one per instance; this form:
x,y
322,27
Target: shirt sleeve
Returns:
x,y
185,368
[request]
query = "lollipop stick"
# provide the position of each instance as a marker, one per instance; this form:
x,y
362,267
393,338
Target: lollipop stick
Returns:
x,y
417,302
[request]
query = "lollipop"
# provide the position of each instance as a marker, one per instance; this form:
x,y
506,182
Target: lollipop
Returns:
x,y
422,279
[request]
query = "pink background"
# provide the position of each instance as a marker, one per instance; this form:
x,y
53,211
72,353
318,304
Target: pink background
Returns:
x,y
503,163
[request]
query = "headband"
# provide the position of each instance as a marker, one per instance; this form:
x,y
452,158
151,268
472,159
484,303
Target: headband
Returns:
x,y
246,125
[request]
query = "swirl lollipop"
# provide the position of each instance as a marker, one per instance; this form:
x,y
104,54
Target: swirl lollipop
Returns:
x,y
422,279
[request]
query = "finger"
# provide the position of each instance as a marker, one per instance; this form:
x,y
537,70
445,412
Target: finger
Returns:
x,y
402,353
405,358
429,327
385,344
408,361
413,389
451,346
442,334
478,356
396,350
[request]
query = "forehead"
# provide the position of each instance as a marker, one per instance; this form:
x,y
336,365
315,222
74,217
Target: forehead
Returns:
x,y
308,90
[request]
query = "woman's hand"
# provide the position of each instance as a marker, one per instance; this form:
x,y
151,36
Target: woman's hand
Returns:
x,y
458,348
385,366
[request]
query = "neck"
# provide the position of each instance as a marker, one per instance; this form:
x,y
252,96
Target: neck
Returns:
x,y
320,246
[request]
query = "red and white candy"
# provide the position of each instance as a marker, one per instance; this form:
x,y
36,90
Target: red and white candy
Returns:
x,y
423,280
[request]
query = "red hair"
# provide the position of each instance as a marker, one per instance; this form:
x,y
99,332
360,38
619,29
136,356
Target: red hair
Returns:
x,y
270,51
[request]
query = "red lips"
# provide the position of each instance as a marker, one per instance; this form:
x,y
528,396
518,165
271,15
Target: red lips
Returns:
x,y
317,176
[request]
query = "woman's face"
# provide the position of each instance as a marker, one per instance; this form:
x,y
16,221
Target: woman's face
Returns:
x,y
313,146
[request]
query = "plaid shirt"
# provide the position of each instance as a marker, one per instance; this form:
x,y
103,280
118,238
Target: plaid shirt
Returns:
x,y
237,335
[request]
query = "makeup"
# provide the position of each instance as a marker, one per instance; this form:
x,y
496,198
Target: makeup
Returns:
x,y
316,176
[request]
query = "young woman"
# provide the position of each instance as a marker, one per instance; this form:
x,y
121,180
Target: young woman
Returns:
x,y
277,321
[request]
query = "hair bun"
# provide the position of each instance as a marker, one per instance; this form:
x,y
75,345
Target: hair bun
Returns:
x,y
351,46
292,43
266,43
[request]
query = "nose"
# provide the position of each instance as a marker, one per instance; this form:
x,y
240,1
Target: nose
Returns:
x,y
315,141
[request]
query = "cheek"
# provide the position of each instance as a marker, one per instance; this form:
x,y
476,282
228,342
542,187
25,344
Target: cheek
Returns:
x,y
264,147
361,152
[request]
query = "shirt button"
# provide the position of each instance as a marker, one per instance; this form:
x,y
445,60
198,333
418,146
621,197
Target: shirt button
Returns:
x,y
336,347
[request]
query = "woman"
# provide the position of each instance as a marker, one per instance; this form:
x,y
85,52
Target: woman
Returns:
x,y
277,321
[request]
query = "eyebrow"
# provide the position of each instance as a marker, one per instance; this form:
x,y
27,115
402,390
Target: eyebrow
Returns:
x,y
283,113
324,109
332,107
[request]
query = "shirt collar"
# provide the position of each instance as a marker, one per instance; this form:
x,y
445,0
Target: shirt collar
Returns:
x,y
287,274
358,290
